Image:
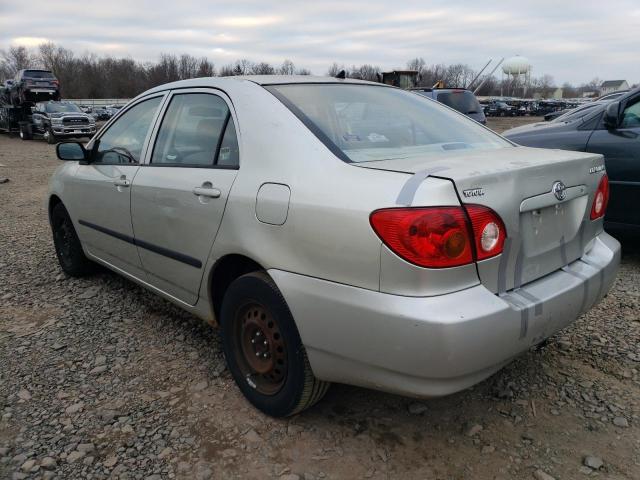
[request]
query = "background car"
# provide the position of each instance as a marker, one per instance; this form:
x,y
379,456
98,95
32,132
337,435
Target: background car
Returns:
x,y
464,101
58,120
31,86
611,128
497,108
5,92
101,113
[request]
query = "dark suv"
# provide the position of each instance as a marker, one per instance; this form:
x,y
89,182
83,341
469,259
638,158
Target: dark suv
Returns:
x,y
56,120
459,99
31,86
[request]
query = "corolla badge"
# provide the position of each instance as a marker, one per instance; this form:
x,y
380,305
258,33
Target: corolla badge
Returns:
x,y
559,190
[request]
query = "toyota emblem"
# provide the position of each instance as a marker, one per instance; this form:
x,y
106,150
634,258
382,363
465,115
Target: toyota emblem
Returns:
x,y
559,190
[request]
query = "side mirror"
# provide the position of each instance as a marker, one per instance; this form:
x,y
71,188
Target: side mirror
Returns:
x,y
611,115
74,151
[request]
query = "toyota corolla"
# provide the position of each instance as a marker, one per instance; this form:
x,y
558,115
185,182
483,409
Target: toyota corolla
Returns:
x,y
337,231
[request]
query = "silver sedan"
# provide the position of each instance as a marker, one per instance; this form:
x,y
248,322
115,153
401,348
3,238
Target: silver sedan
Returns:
x,y
337,231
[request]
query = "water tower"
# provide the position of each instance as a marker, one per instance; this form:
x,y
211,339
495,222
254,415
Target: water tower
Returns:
x,y
518,72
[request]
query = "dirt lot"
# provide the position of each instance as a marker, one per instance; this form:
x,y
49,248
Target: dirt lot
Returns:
x,y
100,379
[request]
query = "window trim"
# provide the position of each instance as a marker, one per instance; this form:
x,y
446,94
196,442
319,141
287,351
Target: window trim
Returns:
x,y
95,141
151,141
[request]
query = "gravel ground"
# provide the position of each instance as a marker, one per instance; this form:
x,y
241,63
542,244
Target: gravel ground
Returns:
x,y
101,379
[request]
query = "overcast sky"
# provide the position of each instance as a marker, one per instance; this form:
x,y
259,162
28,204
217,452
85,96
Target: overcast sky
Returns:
x,y
569,39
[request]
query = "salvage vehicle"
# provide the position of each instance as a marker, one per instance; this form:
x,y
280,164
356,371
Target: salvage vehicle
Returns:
x,y
5,92
58,120
337,231
500,109
610,128
101,113
31,86
464,101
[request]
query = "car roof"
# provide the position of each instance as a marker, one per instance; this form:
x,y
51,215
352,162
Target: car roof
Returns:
x,y
264,80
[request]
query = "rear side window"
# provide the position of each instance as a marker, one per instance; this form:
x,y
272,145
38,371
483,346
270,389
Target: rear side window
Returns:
x,y
364,123
462,101
193,132
37,74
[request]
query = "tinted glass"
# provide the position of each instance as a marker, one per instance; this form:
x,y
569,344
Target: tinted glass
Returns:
x,y
61,107
631,116
461,101
362,123
576,113
123,141
191,130
37,74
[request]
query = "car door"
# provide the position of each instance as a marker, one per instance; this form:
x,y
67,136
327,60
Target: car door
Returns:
x,y
100,190
37,118
179,194
621,149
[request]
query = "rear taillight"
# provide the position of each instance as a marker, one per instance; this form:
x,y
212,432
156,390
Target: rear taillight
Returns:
x,y
55,82
488,231
601,199
440,237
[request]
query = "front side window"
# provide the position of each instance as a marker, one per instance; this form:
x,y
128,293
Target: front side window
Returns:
x,y
123,141
364,123
192,131
631,116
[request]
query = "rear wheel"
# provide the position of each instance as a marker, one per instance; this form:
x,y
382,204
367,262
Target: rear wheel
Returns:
x,y
263,348
67,244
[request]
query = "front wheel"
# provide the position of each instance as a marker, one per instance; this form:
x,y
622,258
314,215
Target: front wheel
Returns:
x,y
263,348
25,132
68,247
50,137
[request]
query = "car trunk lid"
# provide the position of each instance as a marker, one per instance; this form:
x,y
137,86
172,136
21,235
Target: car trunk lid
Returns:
x,y
544,231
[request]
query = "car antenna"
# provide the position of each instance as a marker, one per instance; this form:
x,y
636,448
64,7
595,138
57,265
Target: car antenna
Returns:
x,y
341,74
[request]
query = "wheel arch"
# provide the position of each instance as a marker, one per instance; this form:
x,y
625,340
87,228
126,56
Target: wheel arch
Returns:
x,y
53,201
224,271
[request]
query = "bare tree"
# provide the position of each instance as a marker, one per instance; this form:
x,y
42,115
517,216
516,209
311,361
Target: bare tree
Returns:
x,y
187,66
263,68
205,68
287,68
227,71
14,59
334,69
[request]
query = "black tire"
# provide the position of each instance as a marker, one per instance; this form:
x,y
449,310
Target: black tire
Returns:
x,y
51,138
25,133
67,244
298,389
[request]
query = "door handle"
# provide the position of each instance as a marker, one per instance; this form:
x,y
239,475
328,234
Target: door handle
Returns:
x,y
207,192
121,182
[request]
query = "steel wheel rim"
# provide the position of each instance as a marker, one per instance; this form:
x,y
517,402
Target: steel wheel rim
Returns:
x,y
259,348
63,236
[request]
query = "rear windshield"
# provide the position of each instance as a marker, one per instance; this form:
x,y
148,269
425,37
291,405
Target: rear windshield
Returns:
x,y
364,123
461,101
61,107
38,74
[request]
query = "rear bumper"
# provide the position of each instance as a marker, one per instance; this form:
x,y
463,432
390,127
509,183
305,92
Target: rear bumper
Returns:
x,y
433,346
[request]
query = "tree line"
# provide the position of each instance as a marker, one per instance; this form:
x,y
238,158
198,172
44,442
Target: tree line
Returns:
x,y
93,76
